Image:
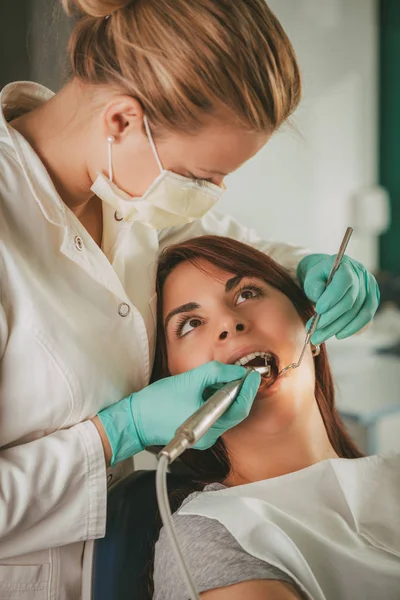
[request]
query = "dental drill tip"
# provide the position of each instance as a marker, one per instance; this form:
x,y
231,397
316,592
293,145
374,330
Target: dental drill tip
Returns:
x,y
264,370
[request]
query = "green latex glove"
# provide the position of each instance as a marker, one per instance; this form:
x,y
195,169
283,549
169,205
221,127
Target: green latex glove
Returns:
x,y
347,304
151,417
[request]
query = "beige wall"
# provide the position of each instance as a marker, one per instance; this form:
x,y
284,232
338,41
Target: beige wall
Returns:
x,y
299,188
48,36
14,17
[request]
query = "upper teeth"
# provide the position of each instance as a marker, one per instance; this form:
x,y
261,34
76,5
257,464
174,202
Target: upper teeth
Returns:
x,y
245,359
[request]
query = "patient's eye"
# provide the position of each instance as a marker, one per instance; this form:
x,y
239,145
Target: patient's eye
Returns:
x,y
248,292
186,325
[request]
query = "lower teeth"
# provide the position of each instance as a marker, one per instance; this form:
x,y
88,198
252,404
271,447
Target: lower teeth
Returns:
x,y
272,373
268,372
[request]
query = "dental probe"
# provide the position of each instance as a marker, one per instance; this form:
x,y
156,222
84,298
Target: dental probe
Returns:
x,y
316,317
197,425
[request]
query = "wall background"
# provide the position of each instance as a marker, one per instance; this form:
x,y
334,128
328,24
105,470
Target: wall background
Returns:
x,y
14,23
390,127
299,187
48,37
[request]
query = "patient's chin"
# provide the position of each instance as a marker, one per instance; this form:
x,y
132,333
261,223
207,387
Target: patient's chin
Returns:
x,y
283,401
275,413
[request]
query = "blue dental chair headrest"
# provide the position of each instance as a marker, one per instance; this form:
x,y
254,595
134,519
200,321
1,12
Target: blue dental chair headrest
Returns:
x,y
123,559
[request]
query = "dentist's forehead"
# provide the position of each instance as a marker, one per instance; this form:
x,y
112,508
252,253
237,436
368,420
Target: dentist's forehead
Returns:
x,y
215,149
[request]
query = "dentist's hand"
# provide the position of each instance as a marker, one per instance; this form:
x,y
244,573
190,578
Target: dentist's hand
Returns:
x,y
151,417
347,304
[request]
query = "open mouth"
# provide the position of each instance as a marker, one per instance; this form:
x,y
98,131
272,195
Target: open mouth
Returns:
x,y
262,359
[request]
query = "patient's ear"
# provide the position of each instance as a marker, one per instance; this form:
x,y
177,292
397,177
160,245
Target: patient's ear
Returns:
x,y
315,350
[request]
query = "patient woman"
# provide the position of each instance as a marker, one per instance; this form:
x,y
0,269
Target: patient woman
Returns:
x,y
221,300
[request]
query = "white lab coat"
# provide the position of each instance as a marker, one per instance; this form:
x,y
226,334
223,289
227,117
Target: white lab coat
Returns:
x,y
77,333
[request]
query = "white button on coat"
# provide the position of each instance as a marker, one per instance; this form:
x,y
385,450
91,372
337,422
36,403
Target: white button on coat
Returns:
x,y
124,309
65,354
78,242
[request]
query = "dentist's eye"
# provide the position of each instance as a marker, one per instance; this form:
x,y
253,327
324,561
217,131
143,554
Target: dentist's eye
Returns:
x,y
200,179
186,325
249,292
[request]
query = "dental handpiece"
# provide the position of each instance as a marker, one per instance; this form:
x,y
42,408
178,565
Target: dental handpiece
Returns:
x,y
197,425
316,317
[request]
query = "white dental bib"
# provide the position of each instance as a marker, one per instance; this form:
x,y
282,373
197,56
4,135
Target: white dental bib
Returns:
x,y
333,527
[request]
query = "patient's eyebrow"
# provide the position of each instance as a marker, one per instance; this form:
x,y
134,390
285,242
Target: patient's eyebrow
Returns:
x,y
233,282
180,309
229,285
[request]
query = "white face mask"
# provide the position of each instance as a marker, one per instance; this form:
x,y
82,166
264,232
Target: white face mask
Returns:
x,y
171,199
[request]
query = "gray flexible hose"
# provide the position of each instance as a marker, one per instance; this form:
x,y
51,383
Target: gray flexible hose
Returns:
x,y
166,517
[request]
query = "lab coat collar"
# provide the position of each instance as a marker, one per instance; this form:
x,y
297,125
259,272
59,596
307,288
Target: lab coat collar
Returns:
x,y
17,99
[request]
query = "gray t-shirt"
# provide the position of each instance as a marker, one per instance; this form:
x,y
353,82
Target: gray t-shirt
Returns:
x,y
213,555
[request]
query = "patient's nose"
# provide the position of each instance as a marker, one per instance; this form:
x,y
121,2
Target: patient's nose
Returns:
x,y
236,328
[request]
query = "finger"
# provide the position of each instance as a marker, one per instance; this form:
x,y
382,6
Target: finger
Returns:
x,y
372,288
211,389
324,333
377,291
364,316
344,280
235,414
307,263
216,372
312,273
241,407
344,305
314,284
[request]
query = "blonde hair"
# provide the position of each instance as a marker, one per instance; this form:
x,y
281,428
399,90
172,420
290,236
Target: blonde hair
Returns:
x,y
184,59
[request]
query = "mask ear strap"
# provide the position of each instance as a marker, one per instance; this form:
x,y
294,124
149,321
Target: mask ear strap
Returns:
x,y
152,144
110,141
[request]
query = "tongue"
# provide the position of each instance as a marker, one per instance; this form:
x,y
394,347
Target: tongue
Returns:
x,y
258,361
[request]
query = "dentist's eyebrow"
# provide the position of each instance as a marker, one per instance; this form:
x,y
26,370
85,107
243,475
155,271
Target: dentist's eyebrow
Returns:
x,y
233,282
180,309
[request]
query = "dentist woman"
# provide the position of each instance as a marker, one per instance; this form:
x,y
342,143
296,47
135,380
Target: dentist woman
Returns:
x,y
165,98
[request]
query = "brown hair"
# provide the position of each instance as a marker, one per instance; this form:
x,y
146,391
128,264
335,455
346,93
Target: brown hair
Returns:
x,y
183,59
243,260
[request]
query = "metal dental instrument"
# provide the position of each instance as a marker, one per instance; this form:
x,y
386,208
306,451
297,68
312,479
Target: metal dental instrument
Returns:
x,y
316,318
186,436
193,429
